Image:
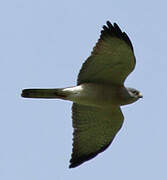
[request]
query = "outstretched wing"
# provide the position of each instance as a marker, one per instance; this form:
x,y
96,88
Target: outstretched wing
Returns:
x,y
111,60
94,130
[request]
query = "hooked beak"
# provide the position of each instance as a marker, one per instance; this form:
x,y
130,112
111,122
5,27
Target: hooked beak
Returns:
x,y
140,95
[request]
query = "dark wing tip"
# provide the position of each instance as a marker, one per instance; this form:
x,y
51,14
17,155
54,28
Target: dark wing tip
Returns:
x,y
76,161
114,30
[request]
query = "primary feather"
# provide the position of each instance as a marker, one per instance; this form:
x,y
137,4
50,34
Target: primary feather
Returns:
x,y
111,60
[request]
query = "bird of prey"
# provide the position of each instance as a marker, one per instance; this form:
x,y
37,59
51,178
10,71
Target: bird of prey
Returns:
x,y
99,93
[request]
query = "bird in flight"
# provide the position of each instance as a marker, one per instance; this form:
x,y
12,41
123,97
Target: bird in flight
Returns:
x,y
98,95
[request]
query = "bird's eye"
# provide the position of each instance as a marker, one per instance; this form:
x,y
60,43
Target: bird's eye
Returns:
x,y
136,93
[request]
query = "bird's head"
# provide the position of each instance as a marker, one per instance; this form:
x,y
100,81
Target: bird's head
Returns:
x,y
135,94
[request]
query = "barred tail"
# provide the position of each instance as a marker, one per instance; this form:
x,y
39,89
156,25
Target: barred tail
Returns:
x,y
44,93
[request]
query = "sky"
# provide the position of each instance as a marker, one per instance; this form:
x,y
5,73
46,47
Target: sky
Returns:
x,y
43,44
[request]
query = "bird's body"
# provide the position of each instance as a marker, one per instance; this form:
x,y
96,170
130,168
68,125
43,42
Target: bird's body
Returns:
x,y
90,94
99,93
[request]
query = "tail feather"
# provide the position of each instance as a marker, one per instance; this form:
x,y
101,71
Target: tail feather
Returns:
x,y
44,93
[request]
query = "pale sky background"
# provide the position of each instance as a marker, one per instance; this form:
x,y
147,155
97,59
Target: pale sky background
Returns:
x,y
43,43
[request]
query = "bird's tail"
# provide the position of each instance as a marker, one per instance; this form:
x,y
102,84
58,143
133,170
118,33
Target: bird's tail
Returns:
x,y
44,93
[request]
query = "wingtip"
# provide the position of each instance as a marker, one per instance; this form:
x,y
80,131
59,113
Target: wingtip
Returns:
x,y
114,29
72,166
74,162
115,24
108,23
77,161
105,27
109,27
